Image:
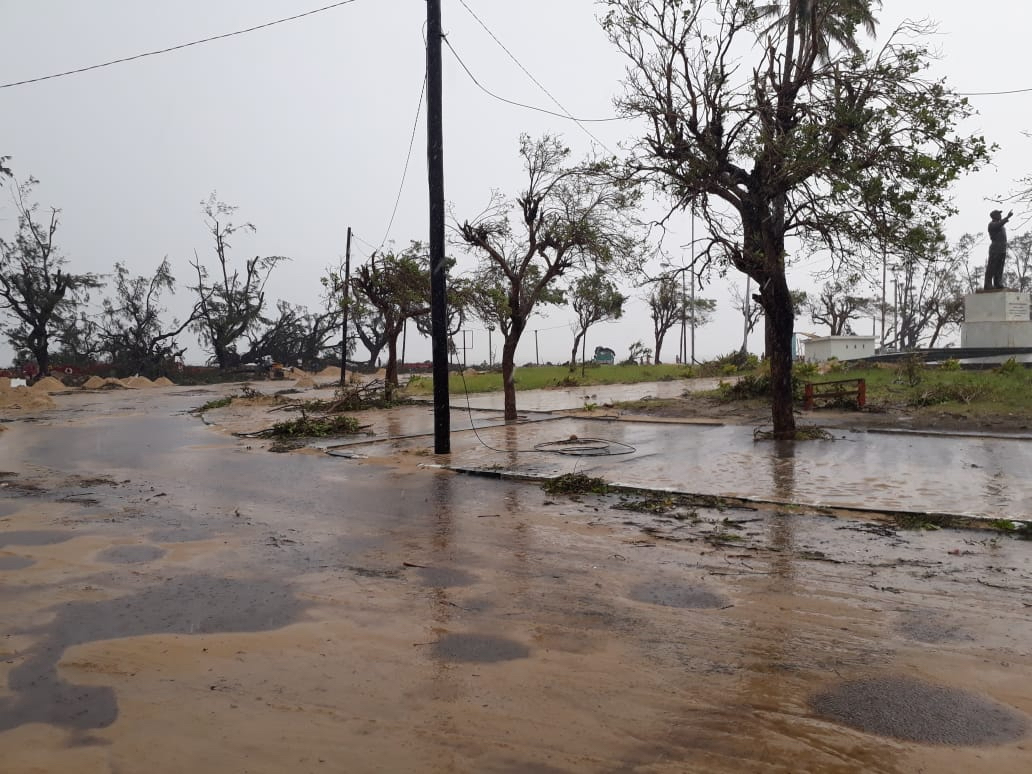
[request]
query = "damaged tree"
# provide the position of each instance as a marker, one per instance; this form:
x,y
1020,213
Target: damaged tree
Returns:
x,y
35,290
780,135
397,286
835,306
566,217
130,326
229,304
595,298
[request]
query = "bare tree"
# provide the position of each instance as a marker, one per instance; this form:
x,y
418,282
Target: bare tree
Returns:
x,y
133,335
779,132
37,294
835,306
296,336
566,217
1019,258
928,295
229,302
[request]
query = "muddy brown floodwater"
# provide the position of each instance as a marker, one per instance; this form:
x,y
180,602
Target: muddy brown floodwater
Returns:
x,y
173,598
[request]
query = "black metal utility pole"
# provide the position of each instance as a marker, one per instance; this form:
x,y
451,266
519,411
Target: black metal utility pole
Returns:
x,y
344,313
438,272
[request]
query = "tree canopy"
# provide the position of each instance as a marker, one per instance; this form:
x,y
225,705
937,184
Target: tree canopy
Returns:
x,y
36,292
567,216
782,137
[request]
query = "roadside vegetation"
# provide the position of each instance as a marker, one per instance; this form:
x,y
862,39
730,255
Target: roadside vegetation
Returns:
x,y
945,389
535,377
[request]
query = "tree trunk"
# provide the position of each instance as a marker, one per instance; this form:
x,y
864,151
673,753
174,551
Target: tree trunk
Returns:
x,y
221,354
508,376
777,305
42,356
391,377
573,354
659,345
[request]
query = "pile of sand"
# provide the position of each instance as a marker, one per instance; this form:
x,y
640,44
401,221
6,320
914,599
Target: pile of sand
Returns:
x,y
164,381
49,384
330,372
137,382
93,383
305,381
24,398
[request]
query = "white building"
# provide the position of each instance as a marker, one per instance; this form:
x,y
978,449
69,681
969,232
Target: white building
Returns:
x,y
821,349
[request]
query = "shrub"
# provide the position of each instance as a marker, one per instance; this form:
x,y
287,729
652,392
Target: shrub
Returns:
x,y
911,370
805,371
1010,367
948,393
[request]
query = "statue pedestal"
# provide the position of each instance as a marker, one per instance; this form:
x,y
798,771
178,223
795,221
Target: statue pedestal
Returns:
x,y
998,318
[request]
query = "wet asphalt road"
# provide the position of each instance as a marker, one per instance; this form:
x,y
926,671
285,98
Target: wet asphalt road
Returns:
x,y
177,599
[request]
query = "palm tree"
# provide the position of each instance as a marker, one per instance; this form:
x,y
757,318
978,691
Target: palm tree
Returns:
x,y
835,21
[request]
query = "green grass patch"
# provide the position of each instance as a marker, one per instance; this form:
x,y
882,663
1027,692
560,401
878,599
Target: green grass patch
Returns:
x,y
550,377
214,403
1006,390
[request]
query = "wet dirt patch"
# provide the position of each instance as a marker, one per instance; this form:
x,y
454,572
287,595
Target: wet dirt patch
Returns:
x,y
34,537
926,626
15,562
82,500
19,488
388,573
672,594
130,554
194,604
914,711
445,577
184,534
478,648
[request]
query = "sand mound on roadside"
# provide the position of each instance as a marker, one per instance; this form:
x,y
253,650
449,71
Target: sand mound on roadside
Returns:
x,y
137,382
49,384
305,381
93,383
330,372
164,381
381,374
25,398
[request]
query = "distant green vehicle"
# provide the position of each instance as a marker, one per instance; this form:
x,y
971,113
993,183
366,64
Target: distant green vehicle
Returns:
x,y
604,356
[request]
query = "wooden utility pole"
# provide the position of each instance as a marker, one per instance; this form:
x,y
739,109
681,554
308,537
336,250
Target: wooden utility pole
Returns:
x,y
438,270
344,313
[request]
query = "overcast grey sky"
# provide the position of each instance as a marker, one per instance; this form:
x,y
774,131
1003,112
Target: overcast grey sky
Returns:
x,y
305,126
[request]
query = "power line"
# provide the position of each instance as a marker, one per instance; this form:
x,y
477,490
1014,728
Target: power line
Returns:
x,y
408,158
991,93
537,83
500,98
370,245
177,47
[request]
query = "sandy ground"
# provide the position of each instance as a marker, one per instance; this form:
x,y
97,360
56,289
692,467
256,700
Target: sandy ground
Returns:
x,y
175,598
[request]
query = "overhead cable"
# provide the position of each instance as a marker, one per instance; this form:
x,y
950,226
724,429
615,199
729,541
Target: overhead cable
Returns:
x,y
408,158
565,114
177,47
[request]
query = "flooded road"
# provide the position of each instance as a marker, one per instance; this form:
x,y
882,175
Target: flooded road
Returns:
x,y
175,599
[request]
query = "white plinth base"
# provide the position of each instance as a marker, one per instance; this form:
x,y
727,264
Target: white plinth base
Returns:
x,y
996,334
996,319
